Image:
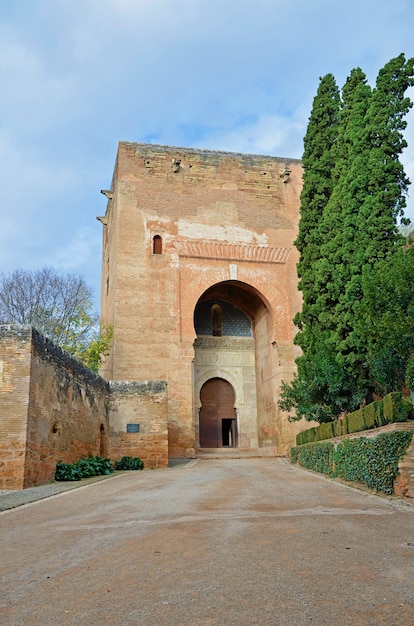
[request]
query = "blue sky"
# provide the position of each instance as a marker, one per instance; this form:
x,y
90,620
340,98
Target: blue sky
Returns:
x,y
78,76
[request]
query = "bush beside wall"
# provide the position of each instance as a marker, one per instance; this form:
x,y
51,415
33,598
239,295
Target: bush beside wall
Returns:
x,y
95,466
370,461
314,456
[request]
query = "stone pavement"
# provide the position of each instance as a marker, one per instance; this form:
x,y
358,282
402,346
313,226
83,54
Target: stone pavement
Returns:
x,y
10,499
13,499
220,542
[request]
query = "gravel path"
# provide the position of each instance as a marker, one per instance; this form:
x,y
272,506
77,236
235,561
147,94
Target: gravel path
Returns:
x,y
235,542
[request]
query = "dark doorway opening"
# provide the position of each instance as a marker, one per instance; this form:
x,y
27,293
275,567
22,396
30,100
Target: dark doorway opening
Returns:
x,y
228,432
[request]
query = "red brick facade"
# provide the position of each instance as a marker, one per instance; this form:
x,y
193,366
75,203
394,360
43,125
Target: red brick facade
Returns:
x,y
184,227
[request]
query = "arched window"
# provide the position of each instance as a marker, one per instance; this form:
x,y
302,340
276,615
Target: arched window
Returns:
x,y
216,323
157,244
221,318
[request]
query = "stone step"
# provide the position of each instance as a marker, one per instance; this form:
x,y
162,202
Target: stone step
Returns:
x,y
234,453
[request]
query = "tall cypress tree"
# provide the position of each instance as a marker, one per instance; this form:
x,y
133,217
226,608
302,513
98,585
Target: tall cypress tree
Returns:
x,y
339,221
354,225
309,388
318,164
380,185
339,228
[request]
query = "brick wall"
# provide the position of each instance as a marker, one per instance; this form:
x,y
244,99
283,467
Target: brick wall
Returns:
x,y
67,411
15,359
224,219
141,405
53,408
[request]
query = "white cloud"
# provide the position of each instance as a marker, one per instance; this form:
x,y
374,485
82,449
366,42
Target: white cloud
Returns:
x,y
269,134
234,75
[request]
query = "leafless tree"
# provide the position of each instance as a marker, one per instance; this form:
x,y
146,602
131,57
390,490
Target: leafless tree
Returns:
x,y
56,305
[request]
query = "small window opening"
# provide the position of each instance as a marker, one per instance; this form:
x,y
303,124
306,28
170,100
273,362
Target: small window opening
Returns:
x,y
216,322
156,244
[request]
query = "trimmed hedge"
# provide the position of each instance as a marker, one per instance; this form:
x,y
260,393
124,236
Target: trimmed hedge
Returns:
x,y
370,461
393,408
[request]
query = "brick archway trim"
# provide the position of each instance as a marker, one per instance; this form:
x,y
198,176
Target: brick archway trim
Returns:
x,y
231,252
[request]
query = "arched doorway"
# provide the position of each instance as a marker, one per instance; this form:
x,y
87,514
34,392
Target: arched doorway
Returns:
x,y
218,425
233,324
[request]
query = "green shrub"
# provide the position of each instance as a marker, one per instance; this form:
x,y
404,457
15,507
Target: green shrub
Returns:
x,y
368,415
94,466
84,468
379,413
408,408
373,462
393,408
129,463
67,471
356,421
293,454
316,457
370,461
349,459
338,427
306,436
397,408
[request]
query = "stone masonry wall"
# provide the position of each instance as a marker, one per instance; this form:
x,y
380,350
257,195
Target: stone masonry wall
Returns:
x,y
53,408
15,358
67,413
141,405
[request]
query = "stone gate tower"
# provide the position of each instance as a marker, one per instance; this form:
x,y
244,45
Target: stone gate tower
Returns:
x,y
199,283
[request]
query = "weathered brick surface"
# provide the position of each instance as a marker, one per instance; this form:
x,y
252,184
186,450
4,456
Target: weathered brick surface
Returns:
x,y
142,403
227,222
54,409
15,360
404,484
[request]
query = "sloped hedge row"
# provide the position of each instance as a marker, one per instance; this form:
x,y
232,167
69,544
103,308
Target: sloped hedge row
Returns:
x,y
393,408
371,461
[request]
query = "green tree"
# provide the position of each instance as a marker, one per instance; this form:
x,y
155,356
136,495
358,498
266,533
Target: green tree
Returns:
x,y
382,186
93,352
321,387
60,307
386,318
318,163
356,227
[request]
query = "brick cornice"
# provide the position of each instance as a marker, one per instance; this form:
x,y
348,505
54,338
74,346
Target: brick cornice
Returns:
x,y
231,252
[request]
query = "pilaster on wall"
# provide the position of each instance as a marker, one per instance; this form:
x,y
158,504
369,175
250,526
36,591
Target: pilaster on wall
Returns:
x,y
181,433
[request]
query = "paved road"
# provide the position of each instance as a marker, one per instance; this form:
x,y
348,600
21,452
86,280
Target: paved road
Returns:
x,y
236,542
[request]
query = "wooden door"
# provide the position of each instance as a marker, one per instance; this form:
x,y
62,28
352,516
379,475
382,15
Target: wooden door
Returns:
x,y
217,404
